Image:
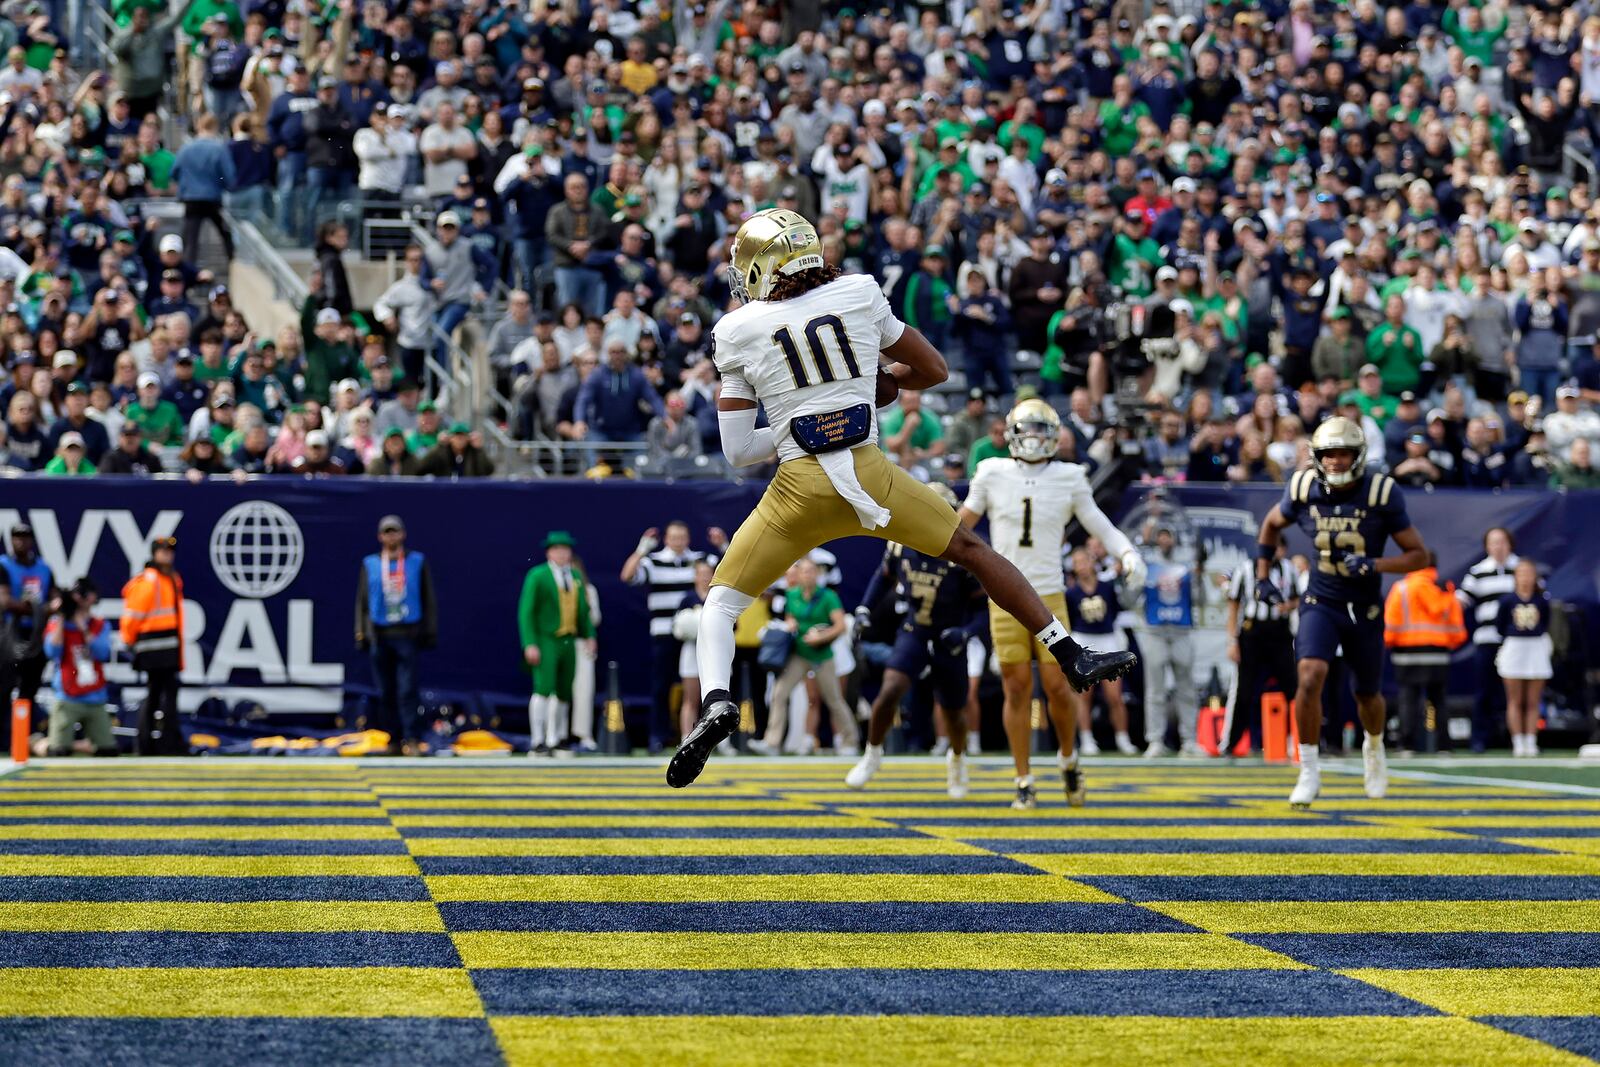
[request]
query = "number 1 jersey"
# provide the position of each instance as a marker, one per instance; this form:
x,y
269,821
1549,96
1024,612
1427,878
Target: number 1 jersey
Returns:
x,y
1029,507
1359,520
813,354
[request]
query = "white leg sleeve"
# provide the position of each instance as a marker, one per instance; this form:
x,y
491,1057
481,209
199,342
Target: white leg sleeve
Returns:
x,y
535,719
558,722
583,697
714,643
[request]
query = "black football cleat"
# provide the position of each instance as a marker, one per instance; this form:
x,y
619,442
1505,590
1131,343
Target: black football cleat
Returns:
x,y
719,717
1086,669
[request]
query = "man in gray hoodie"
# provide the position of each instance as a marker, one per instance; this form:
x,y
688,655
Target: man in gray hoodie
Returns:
x,y
454,275
141,51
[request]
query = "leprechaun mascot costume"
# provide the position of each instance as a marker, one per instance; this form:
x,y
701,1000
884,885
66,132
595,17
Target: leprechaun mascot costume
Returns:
x,y
553,616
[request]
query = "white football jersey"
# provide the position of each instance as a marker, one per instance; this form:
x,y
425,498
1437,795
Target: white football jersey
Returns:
x,y
1030,506
810,355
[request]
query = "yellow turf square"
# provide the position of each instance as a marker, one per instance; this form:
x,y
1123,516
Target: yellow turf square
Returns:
x,y
1222,832
707,951
1495,991
192,992
640,822
195,832
847,1041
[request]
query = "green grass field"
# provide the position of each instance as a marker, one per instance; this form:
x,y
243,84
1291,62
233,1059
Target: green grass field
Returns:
x,y
335,912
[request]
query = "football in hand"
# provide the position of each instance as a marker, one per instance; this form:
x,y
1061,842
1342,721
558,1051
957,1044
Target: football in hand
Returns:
x,y
888,388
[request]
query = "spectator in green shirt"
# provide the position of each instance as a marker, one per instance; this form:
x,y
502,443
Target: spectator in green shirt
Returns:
x,y
990,446
815,616
1471,32
1396,349
910,433
1578,472
426,435
1119,118
1021,126
70,457
1135,257
329,354
159,420
1369,395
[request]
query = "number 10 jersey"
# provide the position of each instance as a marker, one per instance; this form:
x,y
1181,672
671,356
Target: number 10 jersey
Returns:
x,y
814,354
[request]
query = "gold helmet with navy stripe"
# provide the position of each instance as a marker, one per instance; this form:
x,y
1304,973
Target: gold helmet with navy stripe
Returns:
x,y
1334,435
770,243
1033,431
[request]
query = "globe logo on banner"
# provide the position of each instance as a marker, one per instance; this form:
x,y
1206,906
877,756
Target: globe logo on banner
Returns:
x,y
256,549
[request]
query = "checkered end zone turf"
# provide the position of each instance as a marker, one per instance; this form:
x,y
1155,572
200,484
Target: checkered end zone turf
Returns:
x,y
395,913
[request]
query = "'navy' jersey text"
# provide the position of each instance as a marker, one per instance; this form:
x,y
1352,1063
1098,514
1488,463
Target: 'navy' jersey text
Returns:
x,y
1358,519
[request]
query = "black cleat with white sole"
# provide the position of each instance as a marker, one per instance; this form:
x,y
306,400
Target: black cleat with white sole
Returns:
x,y
1085,669
719,717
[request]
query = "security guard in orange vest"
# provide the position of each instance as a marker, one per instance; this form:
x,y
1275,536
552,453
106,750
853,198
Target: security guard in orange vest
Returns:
x,y
152,627
1422,625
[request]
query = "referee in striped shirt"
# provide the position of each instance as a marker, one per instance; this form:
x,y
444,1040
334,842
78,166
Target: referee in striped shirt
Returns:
x,y
667,572
1260,644
1486,581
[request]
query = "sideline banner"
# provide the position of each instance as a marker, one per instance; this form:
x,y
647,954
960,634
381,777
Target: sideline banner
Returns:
x,y
270,566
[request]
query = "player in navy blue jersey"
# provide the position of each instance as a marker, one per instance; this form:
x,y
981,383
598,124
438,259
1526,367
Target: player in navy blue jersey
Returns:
x,y
943,605
1524,660
1349,514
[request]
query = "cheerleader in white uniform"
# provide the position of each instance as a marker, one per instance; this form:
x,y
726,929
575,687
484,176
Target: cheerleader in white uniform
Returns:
x,y
1524,657
1092,607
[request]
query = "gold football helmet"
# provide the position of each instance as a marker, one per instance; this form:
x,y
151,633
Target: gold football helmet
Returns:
x,y
771,242
1339,434
1033,430
945,493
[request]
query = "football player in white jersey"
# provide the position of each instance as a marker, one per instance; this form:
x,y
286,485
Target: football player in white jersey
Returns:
x,y
806,345
1030,498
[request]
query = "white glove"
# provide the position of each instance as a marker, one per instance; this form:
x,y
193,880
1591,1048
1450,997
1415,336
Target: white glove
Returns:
x,y
1133,568
647,545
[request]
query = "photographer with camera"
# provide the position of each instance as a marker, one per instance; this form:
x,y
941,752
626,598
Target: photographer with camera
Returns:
x,y
1077,338
80,646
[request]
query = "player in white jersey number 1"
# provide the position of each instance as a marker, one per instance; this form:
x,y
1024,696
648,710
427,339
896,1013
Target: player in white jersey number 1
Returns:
x,y
1030,498
806,345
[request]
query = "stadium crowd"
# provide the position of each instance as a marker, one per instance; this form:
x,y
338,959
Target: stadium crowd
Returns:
x,y
1363,208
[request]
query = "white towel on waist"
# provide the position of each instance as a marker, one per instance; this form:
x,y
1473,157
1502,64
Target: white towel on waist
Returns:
x,y
840,467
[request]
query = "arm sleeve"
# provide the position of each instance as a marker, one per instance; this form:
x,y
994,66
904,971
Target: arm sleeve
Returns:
x,y
742,443
525,607
1094,520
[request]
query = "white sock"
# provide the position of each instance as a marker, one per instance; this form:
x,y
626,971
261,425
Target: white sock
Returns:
x,y
1516,744
1308,756
1024,781
1530,743
874,750
1376,740
1067,762
1052,633
535,719
714,642
1122,735
557,729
